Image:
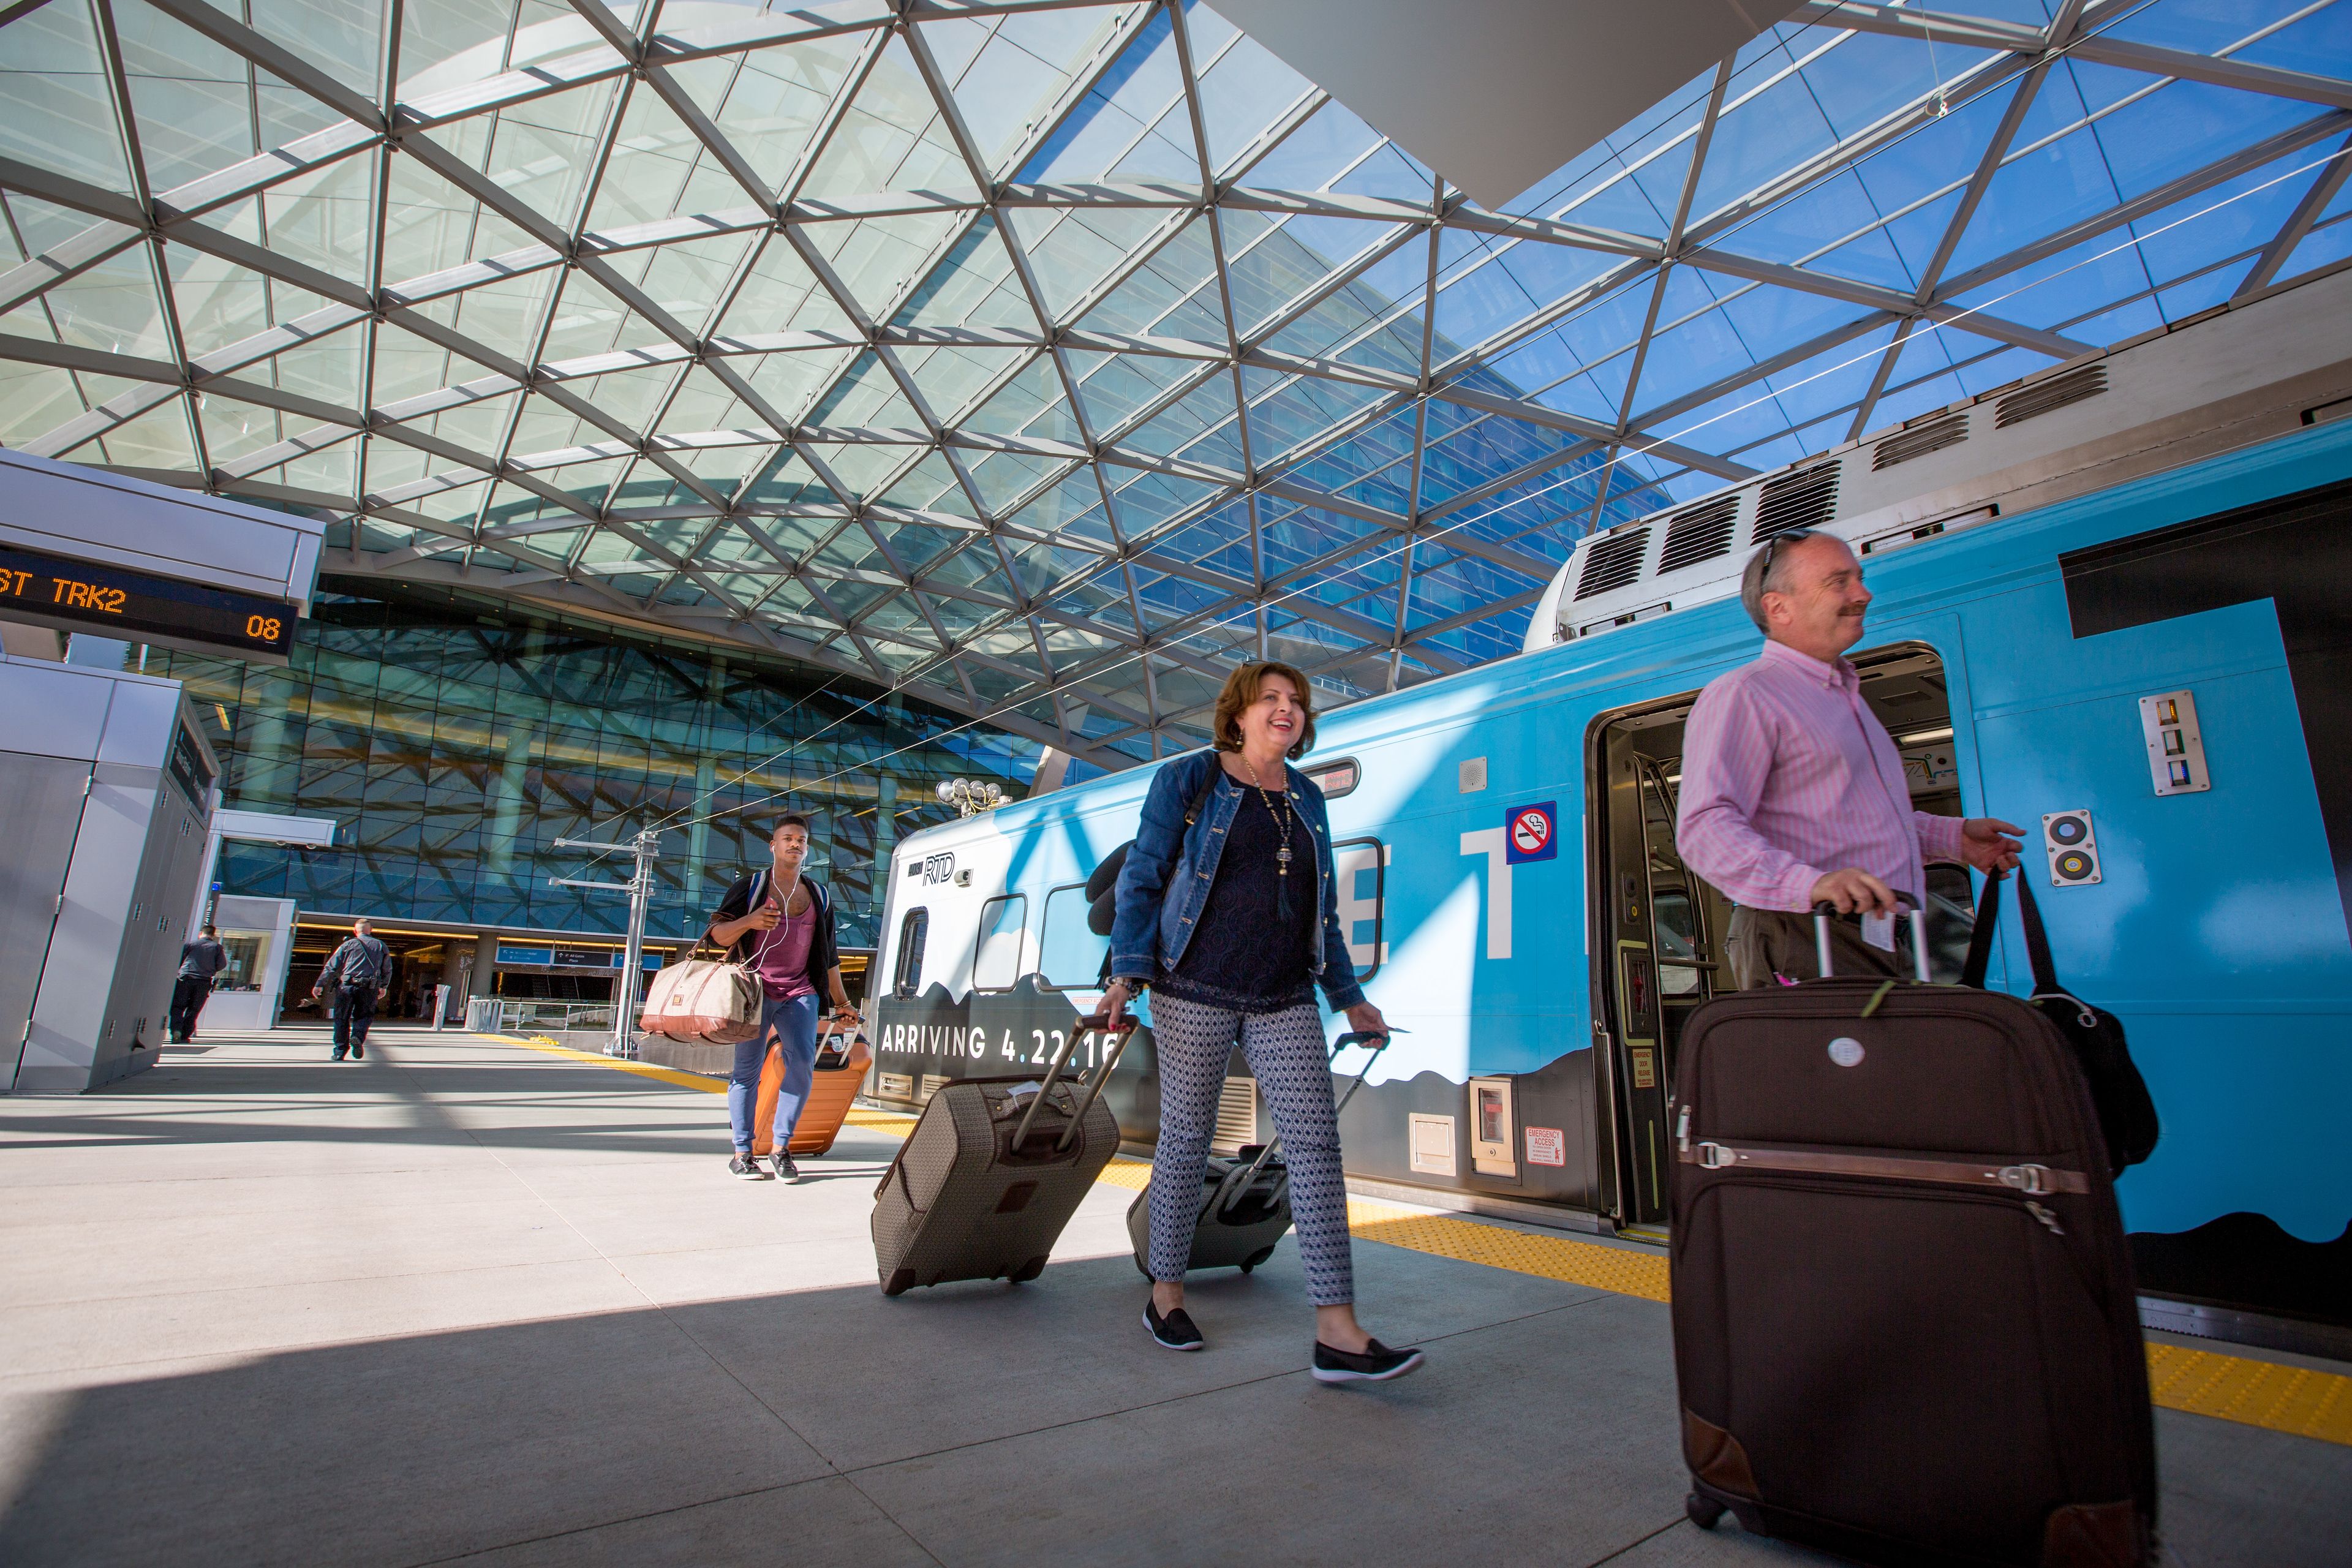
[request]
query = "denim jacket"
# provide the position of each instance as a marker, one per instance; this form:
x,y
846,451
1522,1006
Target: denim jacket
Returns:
x,y
1165,883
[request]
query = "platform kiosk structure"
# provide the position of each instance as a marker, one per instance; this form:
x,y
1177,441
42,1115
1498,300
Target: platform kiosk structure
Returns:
x,y
107,785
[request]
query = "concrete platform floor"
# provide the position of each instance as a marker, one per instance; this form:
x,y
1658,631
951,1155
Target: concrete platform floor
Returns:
x,y
465,1301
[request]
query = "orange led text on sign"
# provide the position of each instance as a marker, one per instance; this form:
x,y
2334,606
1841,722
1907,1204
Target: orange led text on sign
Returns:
x,y
67,591
89,596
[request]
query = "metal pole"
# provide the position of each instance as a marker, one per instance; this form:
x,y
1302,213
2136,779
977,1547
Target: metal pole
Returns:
x,y
640,888
633,951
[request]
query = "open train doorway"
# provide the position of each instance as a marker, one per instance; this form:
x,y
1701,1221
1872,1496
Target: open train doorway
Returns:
x,y
1658,950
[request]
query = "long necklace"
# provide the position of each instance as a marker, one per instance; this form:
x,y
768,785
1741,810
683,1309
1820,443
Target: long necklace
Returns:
x,y
1281,819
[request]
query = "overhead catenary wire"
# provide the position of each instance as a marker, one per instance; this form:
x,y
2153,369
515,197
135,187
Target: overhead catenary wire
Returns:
x,y
667,818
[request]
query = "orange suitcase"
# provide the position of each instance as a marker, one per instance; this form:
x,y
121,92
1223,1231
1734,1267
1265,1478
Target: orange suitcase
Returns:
x,y
840,1073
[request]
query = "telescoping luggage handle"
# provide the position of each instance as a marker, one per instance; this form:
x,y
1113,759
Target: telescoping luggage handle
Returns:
x,y
1235,1186
832,1037
1094,1023
1824,909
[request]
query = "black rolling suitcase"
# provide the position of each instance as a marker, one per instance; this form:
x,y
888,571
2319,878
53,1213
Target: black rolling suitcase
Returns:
x,y
1245,1197
991,1173
1905,1328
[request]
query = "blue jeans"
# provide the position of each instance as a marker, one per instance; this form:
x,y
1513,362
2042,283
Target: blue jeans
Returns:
x,y
794,1023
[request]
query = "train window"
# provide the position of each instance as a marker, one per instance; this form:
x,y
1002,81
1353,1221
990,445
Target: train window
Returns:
x,y
996,961
1068,953
909,974
1362,868
1678,962
1334,778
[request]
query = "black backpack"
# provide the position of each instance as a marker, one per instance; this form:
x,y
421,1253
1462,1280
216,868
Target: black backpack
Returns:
x,y
2127,1111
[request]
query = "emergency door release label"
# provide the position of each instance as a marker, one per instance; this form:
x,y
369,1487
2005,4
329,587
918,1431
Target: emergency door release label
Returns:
x,y
1546,1146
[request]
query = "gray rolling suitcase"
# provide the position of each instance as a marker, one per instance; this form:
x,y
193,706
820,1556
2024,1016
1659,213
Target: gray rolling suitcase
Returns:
x,y
1245,1197
991,1173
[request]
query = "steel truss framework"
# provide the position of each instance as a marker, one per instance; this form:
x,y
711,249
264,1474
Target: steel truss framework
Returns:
x,y
1037,358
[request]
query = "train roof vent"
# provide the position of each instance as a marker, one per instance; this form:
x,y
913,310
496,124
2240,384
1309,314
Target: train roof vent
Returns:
x,y
1699,535
2043,396
1612,562
1918,440
1803,500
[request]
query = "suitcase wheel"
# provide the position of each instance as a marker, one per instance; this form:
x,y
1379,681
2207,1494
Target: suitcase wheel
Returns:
x,y
1255,1259
897,1283
1704,1511
1029,1271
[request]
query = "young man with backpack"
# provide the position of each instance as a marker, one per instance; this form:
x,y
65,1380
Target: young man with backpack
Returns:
x,y
781,924
359,973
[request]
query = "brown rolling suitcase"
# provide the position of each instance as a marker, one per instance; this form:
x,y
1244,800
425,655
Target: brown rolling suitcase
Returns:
x,y
840,1072
1904,1326
991,1173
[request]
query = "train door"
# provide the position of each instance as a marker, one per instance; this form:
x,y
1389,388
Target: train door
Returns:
x,y
1658,952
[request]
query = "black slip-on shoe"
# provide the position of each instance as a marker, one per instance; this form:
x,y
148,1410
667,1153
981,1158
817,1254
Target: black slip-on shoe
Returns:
x,y
786,1170
359,1053
1173,1332
747,1167
1375,1363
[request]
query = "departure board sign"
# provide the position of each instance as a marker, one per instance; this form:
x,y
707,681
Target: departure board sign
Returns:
x,y
125,604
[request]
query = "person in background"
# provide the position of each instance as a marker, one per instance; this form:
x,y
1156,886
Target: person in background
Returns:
x,y
1792,791
358,973
1228,906
779,922
199,961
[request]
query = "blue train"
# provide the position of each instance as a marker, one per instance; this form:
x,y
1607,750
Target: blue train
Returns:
x,y
2114,601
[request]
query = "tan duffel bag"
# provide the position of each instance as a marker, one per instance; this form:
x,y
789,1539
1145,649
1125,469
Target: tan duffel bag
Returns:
x,y
703,1000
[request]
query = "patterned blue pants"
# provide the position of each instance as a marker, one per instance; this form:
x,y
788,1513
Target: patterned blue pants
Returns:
x,y
1286,1052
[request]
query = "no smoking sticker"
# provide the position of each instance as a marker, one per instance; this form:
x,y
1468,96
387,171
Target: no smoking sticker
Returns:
x,y
1531,833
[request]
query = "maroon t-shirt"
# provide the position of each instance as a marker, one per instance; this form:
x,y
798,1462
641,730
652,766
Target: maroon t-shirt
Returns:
x,y
782,954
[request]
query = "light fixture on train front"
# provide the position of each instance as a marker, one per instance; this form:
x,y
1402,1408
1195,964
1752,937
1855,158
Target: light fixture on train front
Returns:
x,y
970,796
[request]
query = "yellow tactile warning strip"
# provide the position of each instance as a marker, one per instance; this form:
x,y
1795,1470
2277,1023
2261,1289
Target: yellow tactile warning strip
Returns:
x,y
642,1069
877,1120
1614,1268
2274,1397
1133,1174
2258,1393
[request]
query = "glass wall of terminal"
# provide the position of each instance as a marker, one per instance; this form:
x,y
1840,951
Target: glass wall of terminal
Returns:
x,y
454,742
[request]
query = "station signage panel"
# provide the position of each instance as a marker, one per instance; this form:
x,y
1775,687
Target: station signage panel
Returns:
x,y
117,602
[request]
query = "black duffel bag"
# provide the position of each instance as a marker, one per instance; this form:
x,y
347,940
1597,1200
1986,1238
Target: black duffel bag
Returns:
x,y
2127,1113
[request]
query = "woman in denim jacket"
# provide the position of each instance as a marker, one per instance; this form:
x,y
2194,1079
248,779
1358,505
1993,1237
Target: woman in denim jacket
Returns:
x,y
1229,905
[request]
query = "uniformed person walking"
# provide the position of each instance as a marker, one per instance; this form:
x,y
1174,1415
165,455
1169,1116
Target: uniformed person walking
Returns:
x,y
200,960
359,973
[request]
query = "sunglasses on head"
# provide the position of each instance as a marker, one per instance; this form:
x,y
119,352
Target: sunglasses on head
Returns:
x,y
1773,546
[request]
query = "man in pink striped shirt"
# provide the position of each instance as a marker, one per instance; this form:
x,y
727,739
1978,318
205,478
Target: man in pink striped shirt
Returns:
x,y
1792,791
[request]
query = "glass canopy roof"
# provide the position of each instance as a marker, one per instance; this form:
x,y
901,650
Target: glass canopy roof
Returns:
x,y
1039,359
